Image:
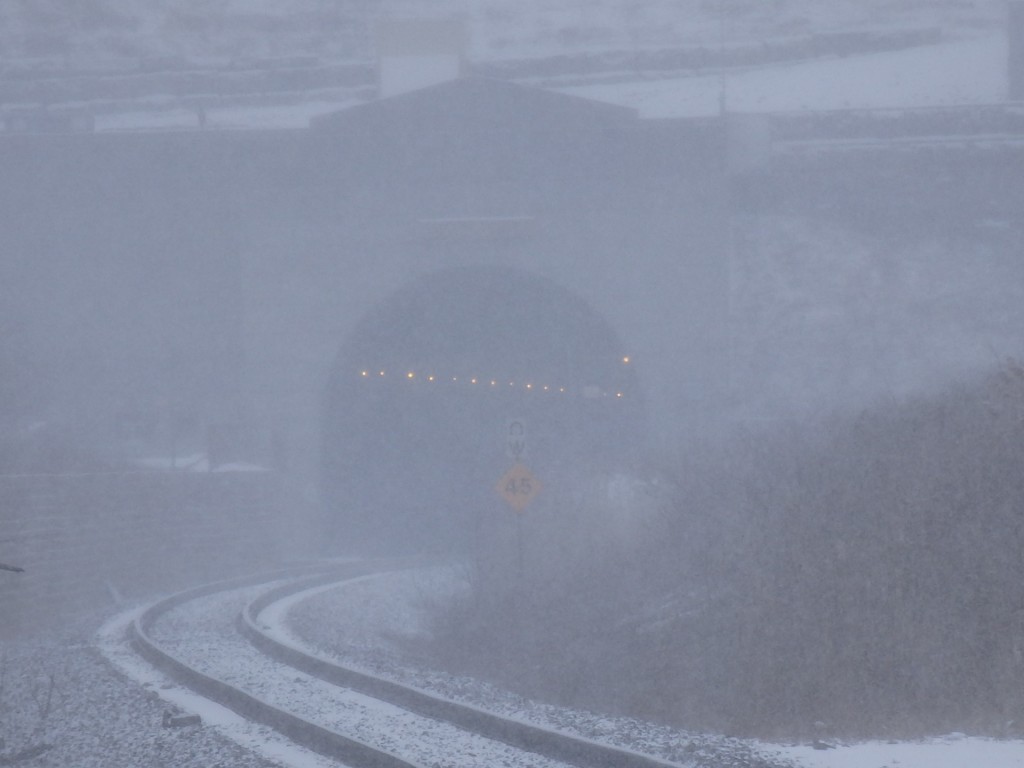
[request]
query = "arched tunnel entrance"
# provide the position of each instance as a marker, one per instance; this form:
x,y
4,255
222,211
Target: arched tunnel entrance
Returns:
x,y
423,391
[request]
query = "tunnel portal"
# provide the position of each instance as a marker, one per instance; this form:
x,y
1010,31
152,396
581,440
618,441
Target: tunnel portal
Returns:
x,y
423,390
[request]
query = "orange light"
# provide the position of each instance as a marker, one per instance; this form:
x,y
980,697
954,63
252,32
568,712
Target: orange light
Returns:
x,y
364,373
472,381
410,375
430,378
625,360
494,383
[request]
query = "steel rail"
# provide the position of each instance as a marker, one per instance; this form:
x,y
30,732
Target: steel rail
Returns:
x,y
314,737
556,745
552,744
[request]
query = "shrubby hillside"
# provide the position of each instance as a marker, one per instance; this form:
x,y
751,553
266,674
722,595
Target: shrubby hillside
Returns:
x,y
826,315
859,578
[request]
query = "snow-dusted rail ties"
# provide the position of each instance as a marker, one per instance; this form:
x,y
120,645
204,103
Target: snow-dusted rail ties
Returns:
x,y
230,643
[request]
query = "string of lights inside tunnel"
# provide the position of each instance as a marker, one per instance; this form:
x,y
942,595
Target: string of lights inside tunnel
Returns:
x,y
483,382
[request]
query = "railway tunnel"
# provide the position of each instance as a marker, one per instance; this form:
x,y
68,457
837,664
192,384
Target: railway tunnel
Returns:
x,y
423,389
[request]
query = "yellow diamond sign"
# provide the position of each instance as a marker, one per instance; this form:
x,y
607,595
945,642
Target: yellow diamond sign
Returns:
x,y
518,487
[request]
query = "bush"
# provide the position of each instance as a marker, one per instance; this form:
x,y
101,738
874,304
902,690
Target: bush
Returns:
x,y
866,574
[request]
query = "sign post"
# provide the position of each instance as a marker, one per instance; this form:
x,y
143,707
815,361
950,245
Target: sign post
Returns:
x,y
517,486
515,439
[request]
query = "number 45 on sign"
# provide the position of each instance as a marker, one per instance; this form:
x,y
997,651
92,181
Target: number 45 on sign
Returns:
x,y
518,487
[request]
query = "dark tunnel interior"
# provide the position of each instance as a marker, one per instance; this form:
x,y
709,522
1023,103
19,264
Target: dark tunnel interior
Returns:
x,y
423,389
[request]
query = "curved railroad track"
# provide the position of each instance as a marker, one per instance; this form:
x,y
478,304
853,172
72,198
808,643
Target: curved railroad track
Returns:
x,y
233,658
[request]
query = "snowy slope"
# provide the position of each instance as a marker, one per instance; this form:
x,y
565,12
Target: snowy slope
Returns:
x,y
952,751
152,64
969,71
96,30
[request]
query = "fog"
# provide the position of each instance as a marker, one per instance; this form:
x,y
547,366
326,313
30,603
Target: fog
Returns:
x,y
278,279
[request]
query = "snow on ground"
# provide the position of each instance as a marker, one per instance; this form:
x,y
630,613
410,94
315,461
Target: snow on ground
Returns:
x,y
971,71
961,72
55,29
102,719
952,751
824,316
277,117
367,624
393,605
202,632
63,700
111,639
193,462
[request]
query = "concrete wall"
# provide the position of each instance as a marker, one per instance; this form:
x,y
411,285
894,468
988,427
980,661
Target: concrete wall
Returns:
x,y
211,276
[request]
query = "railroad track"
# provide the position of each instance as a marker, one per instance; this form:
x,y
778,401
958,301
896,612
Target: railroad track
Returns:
x,y
233,656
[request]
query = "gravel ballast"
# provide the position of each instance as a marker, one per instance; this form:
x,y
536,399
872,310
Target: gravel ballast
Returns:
x,y
81,698
63,704
371,624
